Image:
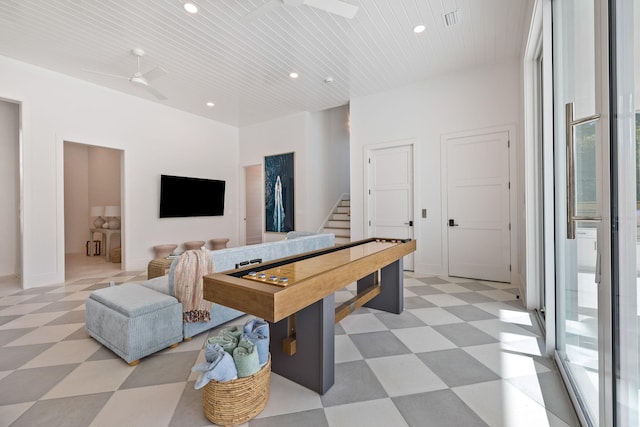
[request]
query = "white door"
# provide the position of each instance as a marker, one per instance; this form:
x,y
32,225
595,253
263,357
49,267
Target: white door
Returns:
x,y
391,194
253,204
478,206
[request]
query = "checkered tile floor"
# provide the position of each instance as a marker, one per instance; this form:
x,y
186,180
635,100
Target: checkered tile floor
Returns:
x,y
463,353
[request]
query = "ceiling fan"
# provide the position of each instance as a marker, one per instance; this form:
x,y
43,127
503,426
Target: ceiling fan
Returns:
x,y
141,79
336,7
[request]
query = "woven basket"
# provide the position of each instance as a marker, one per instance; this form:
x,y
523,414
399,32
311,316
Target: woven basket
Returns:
x,y
158,267
235,402
116,255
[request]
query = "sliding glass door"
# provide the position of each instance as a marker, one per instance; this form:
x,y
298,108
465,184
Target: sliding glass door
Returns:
x,y
626,207
581,169
596,92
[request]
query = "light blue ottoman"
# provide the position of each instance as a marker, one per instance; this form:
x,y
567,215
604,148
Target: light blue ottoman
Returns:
x,y
133,321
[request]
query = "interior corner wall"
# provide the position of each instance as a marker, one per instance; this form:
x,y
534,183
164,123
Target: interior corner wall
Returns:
x,y
9,188
477,98
76,197
327,164
105,183
320,141
155,140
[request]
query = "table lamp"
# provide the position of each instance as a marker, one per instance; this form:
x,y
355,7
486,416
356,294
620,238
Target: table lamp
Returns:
x,y
113,217
98,213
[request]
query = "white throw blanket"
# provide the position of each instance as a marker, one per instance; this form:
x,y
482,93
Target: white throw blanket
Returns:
x,y
188,275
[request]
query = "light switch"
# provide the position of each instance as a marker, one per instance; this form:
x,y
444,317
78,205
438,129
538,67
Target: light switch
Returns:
x,y
424,213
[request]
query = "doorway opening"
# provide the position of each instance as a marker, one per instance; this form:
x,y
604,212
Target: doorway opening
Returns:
x,y
10,183
253,204
92,210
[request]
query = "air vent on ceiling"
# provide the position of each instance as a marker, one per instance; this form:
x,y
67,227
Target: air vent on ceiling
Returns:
x,y
450,18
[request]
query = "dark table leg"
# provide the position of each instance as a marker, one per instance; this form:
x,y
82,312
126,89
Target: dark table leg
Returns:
x,y
313,364
391,298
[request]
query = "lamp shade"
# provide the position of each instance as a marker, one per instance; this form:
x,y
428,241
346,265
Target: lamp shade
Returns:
x,y
96,211
112,211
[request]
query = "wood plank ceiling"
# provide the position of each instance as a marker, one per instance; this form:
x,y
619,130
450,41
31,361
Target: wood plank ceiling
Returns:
x,y
243,67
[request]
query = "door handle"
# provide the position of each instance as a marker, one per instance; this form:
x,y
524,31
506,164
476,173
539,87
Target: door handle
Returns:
x,y
570,124
452,223
410,223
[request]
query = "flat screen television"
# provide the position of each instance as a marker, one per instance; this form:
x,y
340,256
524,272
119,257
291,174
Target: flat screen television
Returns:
x,y
182,196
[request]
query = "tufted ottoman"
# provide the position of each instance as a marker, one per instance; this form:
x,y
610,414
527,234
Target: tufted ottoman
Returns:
x,y
133,321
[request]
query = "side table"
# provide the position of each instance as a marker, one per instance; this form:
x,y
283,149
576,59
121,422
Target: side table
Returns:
x,y
219,243
107,237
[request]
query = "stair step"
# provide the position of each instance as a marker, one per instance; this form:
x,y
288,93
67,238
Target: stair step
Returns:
x,y
338,232
343,209
340,217
341,223
345,203
343,240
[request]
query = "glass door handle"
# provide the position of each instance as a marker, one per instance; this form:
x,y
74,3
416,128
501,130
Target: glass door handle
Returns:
x,y
570,124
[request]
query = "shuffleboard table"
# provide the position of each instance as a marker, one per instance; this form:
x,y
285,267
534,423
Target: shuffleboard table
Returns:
x,y
296,296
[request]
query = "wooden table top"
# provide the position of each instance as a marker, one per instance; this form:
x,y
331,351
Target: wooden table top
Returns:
x,y
295,272
310,277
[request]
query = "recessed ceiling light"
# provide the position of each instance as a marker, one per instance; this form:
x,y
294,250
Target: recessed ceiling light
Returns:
x,y
293,75
419,28
190,7
210,104
328,80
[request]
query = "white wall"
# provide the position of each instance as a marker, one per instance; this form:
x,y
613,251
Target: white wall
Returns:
x,y
636,56
155,140
9,188
473,99
320,143
104,177
283,135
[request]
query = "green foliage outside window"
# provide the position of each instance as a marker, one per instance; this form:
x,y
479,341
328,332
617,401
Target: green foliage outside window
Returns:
x,y
585,161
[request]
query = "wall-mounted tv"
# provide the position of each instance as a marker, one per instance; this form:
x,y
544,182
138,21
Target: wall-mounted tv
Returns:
x,y
182,196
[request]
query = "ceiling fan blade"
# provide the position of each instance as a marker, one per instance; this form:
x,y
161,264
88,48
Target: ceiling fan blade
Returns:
x,y
155,93
261,10
336,7
154,74
106,74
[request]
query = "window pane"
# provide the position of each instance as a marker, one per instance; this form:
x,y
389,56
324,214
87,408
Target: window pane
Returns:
x,y
585,146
